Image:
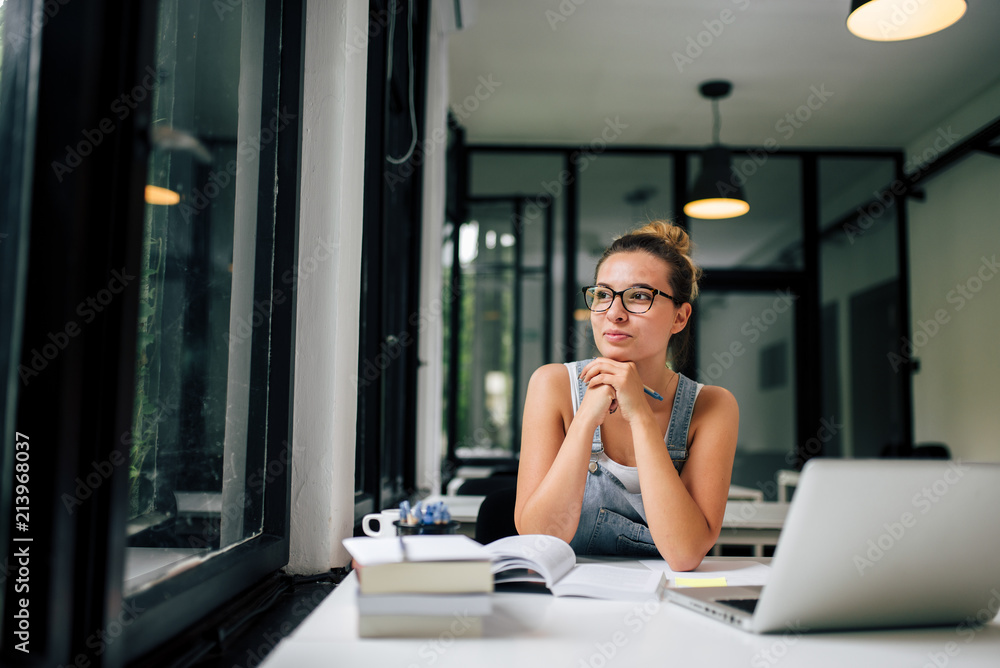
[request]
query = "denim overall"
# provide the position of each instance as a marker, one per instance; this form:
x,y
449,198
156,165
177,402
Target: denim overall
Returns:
x,y
613,520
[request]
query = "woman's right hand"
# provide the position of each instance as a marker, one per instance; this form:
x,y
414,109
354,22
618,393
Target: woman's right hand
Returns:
x,y
598,403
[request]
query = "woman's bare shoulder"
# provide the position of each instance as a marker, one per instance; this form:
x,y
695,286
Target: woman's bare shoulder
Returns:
x,y
716,396
715,403
549,389
548,376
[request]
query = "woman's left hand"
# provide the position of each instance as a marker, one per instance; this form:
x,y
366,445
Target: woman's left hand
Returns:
x,y
624,379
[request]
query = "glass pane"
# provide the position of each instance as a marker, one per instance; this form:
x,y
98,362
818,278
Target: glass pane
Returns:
x,y
859,291
770,235
485,397
618,193
847,184
539,178
746,344
194,485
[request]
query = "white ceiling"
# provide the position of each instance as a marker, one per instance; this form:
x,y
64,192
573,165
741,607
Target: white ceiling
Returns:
x,y
560,80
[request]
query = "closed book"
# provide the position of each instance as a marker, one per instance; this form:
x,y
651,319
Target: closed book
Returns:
x,y
425,604
444,627
443,564
426,577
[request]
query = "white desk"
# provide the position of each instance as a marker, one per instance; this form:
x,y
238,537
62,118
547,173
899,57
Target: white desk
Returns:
x,y
540,630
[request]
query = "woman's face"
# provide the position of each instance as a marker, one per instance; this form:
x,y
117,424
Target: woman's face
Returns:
x,y
625,336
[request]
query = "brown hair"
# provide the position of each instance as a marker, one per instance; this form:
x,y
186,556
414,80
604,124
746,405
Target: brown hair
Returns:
x,y
670,243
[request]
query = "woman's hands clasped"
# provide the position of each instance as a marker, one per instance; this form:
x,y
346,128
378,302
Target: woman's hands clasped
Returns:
x,y
612,386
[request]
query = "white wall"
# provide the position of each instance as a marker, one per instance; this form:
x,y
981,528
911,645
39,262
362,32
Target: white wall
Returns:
x,y
430,440
955,295
954,243
326,345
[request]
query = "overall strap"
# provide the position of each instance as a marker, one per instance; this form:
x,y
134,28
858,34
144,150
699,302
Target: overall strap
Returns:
x,y
579,388
680,417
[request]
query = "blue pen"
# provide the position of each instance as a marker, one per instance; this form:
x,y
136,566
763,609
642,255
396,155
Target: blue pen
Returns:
x,y
652,393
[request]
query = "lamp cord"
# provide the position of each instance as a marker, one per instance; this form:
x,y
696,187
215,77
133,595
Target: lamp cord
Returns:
x,y
409,40
716,120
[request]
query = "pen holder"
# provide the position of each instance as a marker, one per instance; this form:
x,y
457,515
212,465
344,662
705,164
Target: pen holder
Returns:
x,y
426,529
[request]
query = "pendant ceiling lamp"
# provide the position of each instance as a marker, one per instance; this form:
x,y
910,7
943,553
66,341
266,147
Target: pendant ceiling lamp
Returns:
x,y
716,193
896,20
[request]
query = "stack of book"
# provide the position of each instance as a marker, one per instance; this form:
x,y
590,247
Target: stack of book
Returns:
x,y
421,586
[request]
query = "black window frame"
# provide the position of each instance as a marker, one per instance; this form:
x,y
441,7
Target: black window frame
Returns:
x,y
84,225
388,339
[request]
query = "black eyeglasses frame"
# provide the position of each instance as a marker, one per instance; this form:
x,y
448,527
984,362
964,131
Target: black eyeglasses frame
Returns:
x,y
621,295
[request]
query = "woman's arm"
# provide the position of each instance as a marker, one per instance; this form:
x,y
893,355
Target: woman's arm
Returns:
x,y
552,472
684,512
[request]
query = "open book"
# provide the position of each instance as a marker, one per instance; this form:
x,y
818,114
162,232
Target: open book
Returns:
x,y
551,561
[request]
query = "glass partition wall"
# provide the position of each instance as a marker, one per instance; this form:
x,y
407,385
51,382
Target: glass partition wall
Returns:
x,y
802,299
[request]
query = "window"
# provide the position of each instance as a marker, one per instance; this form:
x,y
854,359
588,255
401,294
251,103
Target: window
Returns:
x,y
395,151
153,378
196,475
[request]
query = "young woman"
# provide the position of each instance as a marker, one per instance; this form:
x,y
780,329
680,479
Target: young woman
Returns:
x,y
606,466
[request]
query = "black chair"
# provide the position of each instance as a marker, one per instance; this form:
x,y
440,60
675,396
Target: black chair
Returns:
x,y
916,451
483,486
931,451
496,516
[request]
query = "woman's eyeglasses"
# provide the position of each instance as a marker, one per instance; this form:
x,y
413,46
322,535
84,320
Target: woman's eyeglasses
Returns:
x,y
635,300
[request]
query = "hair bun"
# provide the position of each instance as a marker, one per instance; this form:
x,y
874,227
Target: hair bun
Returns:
x,y
673,235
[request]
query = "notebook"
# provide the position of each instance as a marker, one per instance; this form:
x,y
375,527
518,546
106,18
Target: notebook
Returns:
x,y
875,544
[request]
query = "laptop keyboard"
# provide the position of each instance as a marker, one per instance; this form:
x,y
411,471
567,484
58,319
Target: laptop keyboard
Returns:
x,y
745,604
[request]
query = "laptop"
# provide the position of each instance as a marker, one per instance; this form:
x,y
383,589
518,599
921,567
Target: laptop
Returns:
x,y
875,544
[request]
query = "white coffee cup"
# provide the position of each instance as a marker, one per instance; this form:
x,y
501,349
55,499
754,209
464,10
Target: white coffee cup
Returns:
x,y
385,521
